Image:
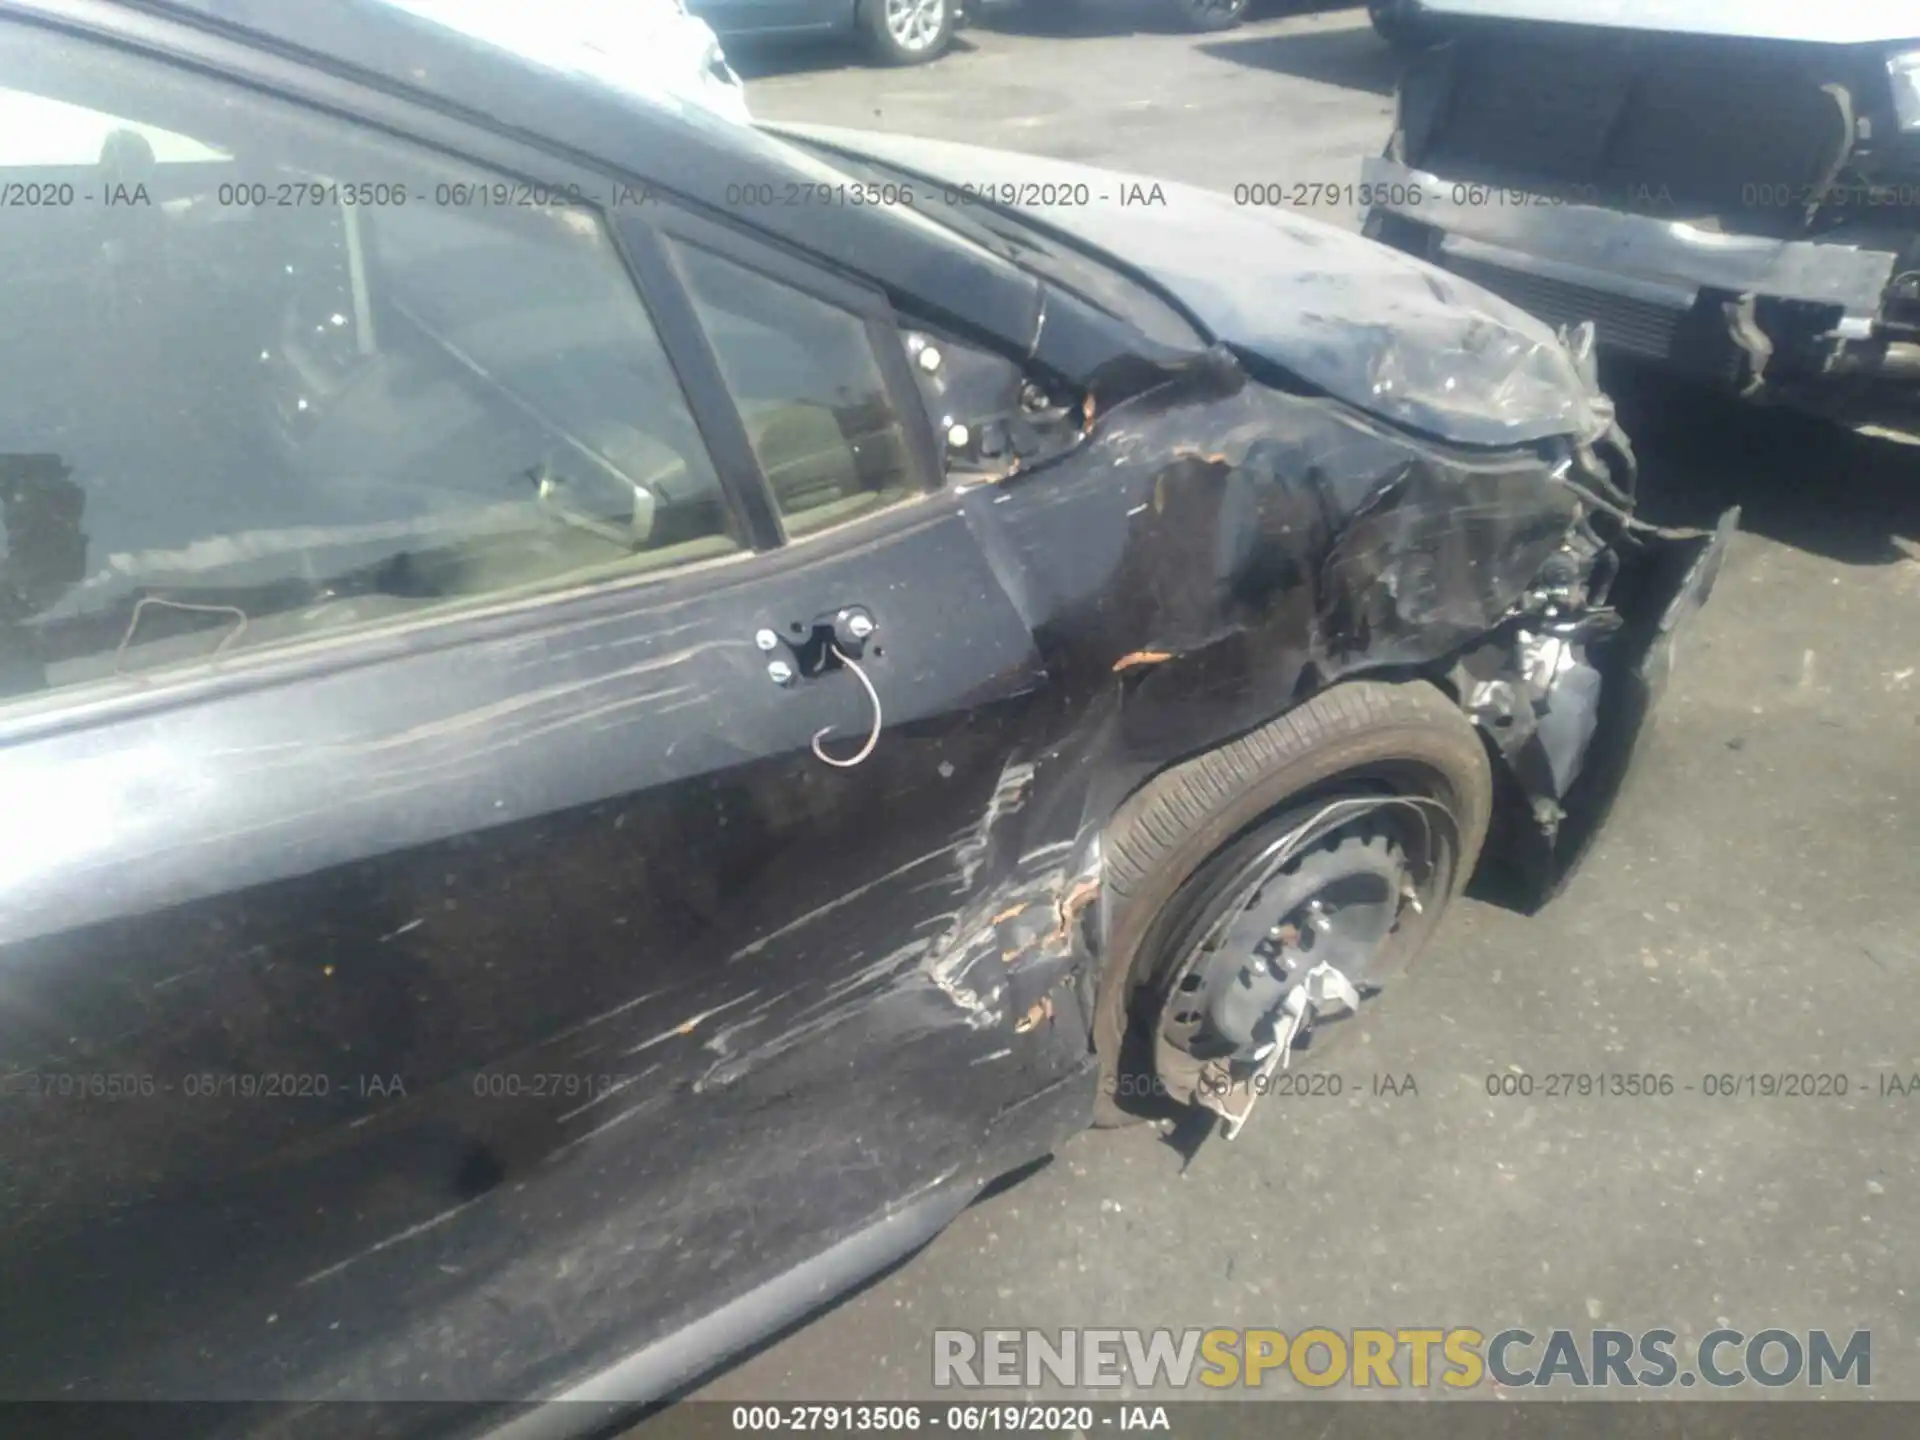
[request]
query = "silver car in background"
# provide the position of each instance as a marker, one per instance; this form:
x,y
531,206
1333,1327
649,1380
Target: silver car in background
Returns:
x,y
650,47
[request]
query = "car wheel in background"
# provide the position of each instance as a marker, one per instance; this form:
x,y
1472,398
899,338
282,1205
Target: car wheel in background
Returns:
x,y
909,32
1211,14
1205,932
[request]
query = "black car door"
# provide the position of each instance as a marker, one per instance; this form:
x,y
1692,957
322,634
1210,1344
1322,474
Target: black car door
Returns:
x,y
441,952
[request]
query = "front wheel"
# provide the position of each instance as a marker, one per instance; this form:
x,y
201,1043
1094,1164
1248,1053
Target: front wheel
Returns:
x,y
909,32
1210,14
1314,855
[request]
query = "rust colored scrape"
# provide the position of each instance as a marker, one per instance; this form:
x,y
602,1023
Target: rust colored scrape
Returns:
x,y
1069,908
1042,1010
1141,657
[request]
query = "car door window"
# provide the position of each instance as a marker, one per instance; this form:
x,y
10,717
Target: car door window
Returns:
x,y
805,375
265,374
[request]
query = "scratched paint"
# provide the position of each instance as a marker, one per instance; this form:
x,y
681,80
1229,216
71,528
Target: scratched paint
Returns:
x,y
673,1005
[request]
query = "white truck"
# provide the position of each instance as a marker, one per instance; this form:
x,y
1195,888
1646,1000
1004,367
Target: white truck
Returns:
x,y
1728,189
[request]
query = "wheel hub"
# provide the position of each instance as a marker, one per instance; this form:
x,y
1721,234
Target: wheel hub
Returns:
x,y
1290,945
915,24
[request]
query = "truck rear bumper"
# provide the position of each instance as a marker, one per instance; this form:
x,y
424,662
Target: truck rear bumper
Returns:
x,y
1799,322
1651,265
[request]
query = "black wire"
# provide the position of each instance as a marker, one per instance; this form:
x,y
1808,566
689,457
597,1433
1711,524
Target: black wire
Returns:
x,y
1626,517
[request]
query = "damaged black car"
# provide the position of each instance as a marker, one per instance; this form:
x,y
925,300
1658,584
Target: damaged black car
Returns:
x,y
1728,192
607,715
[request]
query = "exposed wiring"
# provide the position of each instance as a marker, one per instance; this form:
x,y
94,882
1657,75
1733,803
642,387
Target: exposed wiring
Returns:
x,y
133,623
1625,517
873,738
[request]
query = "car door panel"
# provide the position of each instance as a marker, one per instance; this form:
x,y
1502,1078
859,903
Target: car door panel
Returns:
x,y
446,1010
465,952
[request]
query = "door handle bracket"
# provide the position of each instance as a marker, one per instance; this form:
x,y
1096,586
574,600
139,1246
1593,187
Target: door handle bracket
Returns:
x,y
807,650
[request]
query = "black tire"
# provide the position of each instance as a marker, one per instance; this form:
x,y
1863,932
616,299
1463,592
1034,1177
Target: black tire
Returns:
x,y
1399,23
1211,15
1408,737
889,48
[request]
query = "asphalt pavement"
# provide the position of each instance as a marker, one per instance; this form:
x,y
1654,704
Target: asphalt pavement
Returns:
x,y
1753,909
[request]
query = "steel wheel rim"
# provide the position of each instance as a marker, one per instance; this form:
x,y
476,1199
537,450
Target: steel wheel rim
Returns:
x,y
1370,893
915,24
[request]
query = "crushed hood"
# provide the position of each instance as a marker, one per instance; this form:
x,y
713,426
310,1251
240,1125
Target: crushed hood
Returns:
x,y
1368,325
1835,22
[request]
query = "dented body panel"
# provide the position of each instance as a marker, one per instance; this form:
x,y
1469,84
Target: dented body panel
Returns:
x,y
521,1009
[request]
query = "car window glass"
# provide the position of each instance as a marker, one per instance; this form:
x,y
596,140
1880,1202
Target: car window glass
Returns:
x,y
267,375
809,386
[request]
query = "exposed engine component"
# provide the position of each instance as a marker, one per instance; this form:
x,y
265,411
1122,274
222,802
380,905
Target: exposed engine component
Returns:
x,y
1535,689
